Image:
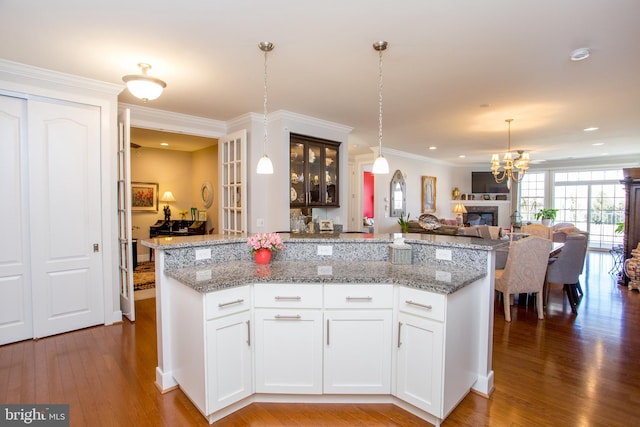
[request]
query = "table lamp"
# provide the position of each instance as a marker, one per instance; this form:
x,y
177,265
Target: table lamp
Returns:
x,y
459,209
167,197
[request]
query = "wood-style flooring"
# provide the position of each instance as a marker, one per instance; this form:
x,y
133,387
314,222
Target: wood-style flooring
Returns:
x,y
565,370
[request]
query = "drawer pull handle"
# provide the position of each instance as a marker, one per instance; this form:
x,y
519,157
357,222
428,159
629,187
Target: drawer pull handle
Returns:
x,y
417,304
224,304
327,332
296,317
349,299
249,333
288,298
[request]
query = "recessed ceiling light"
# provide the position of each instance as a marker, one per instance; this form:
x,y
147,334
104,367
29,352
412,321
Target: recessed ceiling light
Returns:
x,y
462,156
580,54
591,129
433,148
164,144
598,143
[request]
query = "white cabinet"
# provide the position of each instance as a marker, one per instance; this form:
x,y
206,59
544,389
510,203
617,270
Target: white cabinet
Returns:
x,y
357,339
436,347
229,340
419,362
211,345
288,331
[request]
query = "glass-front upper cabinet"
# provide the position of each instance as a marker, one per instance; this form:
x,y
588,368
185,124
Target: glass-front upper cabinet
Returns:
x,y
314,171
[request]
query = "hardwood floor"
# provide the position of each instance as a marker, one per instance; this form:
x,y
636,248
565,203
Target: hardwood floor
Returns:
x,y
565,370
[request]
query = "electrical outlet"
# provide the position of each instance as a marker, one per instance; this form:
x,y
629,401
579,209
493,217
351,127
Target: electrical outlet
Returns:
x,y
444,254
260,222
325,250
203,254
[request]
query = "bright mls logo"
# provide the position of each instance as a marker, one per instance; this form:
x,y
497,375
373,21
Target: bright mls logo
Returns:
x,y
34,415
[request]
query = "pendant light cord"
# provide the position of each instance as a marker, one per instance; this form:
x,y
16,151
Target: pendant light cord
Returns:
x,y
380,104
265,104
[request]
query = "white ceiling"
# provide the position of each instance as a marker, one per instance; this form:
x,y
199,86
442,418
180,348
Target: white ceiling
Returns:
x,y
454,70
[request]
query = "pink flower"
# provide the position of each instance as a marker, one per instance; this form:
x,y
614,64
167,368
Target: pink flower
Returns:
x,y
271,241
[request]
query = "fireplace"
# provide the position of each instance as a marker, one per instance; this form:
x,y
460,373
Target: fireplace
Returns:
x,y
478,215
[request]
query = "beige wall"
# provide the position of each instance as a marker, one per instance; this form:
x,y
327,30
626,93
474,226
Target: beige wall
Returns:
x,y
205,168
180,172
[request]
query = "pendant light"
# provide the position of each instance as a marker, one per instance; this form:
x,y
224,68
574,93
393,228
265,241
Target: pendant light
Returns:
x,y
380,166
144,86
265,167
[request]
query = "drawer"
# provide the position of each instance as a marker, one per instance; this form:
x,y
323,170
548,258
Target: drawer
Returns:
x,y
422,303
278,295
358,296
228,301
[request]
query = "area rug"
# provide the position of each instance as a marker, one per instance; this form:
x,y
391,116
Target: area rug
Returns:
x,y
144,276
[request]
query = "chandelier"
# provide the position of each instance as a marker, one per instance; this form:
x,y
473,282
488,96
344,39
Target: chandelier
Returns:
x,y
380,166
144,86
265,167
513,169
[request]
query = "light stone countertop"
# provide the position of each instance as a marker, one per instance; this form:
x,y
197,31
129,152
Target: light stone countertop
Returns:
x,y
432,277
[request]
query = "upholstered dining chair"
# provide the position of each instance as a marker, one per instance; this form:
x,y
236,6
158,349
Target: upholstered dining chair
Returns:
x,y
524,272
568,266
538,230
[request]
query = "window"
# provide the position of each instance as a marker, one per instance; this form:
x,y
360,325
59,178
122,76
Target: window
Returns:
x,y
532,191
593,200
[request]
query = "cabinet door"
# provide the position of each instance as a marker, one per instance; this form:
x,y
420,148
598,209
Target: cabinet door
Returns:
x,y
288,351
331,176
357,351
419,362
229,367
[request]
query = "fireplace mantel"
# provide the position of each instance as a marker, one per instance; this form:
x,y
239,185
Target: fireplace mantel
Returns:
x,y
504,209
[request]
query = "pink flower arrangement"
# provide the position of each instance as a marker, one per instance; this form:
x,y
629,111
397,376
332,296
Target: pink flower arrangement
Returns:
x,y
271,241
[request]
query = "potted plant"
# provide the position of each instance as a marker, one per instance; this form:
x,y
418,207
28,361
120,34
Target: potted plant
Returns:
x,y
547,215
404,223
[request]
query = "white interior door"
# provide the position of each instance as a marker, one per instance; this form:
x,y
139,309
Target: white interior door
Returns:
x,y
125,247
15,276
232,150
65,216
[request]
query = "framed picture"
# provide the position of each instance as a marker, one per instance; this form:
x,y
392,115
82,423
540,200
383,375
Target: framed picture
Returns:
x,y
202,216
428,194
144,197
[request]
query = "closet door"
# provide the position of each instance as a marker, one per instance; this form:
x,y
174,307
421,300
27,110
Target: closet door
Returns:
x,y
15,280
65,216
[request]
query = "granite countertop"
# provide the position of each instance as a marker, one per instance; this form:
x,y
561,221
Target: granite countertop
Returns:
x,y
163,243
432,277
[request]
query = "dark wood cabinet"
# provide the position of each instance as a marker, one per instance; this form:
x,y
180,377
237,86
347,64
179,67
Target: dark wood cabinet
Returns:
x,y
631,213
314,170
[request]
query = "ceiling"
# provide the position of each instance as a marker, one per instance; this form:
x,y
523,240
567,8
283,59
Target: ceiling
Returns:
x,y
453,72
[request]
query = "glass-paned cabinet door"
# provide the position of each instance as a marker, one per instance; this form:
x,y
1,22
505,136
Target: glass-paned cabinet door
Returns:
x,y
331,176
299,192
314,169
315,177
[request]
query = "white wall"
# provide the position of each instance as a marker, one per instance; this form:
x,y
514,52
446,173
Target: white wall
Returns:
x,y
413,168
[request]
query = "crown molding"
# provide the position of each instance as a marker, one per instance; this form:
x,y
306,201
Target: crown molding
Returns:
x,y
151,118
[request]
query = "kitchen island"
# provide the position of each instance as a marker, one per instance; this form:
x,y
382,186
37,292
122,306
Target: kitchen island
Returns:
x,y
328,320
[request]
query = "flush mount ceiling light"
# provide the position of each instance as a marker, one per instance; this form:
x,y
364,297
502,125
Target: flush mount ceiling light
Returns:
x,y
511,166
380,166
580,54
265,167
144,86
